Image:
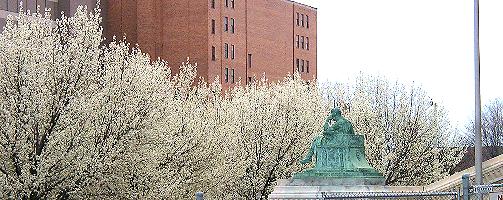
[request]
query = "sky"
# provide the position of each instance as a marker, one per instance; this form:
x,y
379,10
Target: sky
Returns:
x,y
429,42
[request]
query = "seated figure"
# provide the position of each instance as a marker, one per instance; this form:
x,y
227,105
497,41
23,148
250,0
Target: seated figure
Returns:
x,y
334,125
340,154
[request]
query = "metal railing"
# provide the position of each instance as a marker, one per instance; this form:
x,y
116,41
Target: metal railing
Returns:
x,y
479,192
467,192
393,195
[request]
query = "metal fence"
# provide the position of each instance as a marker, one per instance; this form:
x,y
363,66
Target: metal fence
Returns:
x,y
466,192
486,192
481,192
394,195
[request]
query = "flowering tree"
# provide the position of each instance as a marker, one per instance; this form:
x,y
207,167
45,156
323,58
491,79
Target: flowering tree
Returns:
x,y
46,70
71,111
87,121
271,126
406,132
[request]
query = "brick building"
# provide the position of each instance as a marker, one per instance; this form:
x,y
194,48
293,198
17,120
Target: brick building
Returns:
x,y
233,39
11,7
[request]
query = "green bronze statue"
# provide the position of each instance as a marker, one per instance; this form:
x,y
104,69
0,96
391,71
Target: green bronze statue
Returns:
x,y
339,154
334,124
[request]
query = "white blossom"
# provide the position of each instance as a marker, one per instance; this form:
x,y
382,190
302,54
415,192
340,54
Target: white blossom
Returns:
x,y
406,132
87,120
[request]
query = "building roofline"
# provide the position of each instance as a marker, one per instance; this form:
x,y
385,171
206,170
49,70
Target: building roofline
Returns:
x,y
305,5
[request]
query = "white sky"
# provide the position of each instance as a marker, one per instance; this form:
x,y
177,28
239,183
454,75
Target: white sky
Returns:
x,y
429,42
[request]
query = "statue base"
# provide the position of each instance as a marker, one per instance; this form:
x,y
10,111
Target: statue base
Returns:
x,y
317,189
355,176
312,181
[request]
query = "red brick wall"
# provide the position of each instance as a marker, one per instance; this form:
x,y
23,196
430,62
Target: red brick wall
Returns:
x,y
177,29
172,30
215,40
218,40
304,54
185,33
149,27
270,35
120,19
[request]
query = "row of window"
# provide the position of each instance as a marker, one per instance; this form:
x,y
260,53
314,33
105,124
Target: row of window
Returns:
x,y
227,3
301,42
301,21
229,77
227,26
226,52
302,65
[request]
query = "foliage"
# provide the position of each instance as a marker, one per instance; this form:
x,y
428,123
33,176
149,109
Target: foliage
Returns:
x,y
491,125
406,132
73,112
491,129
273,125
87,121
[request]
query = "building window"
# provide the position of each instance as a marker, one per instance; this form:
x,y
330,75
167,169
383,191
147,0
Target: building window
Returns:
x,y
226,3
297,64
302,42
302,20
307,43
298,18
232,25
232,75
249,79
212,26
249,60
232,3
226,50
297,40
213,57
307,21
213,4
226,75
302,65
226,24
307,66
232,52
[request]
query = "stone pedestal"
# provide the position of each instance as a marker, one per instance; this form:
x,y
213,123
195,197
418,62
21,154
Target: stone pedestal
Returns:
x,y
292,189
340,181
